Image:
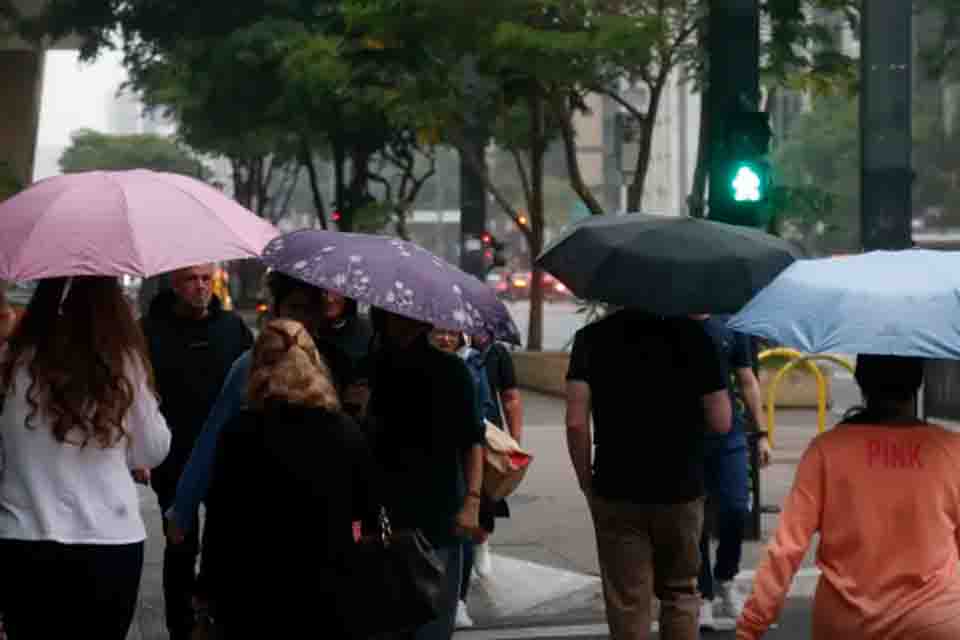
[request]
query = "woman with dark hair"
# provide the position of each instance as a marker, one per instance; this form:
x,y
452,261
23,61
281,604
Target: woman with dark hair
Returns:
x,y
883,491
292,476
79,414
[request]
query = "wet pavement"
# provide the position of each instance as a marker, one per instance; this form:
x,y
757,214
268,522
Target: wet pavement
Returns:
x,y
545,573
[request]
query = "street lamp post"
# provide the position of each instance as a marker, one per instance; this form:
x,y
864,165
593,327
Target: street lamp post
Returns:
x,y
885,124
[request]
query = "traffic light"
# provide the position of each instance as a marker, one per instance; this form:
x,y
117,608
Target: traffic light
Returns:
x,y
744,174
494,254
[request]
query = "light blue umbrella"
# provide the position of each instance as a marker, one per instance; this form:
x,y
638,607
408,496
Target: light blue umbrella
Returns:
x,y
904,303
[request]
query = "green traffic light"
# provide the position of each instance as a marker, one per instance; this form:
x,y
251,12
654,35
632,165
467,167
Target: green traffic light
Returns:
x,y
746,184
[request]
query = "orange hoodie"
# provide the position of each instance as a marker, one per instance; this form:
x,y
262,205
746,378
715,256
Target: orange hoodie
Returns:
x,y
886,502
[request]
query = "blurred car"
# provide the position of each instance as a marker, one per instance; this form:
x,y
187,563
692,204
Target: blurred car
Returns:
x,y
520,283
554,290
499,281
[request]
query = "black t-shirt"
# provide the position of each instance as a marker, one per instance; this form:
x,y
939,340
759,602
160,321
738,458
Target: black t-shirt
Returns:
x,y
424,418
498,366
736,352
647,376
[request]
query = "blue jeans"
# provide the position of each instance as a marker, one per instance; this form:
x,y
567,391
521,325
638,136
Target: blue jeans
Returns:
x,y
442,627
726,475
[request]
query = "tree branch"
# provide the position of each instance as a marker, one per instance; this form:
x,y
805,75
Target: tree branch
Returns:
x,y
306,159
522,172
623,102
564,116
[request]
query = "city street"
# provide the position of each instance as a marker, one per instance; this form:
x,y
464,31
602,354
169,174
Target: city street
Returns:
x,y
545,580
560,321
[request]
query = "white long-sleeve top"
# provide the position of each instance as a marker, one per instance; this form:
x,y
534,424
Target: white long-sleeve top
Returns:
x,y
60,492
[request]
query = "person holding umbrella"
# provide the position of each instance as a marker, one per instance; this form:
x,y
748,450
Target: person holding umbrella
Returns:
x,y
428,442
422,413
641,470
882,491
292,299
79,411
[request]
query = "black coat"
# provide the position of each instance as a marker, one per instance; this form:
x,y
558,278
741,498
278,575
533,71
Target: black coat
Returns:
x,y
288,484
190,359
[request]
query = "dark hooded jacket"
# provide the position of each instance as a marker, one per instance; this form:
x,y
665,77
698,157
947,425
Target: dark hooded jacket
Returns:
x,y
191,359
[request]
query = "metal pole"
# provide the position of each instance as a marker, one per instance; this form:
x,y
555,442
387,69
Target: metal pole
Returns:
x,y
473,191
733,45
885,124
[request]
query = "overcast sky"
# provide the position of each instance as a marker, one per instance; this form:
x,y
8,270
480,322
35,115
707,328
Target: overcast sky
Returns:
x,y
76,95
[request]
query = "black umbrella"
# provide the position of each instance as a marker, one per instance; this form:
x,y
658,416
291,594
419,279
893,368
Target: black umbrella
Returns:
x,y
666,265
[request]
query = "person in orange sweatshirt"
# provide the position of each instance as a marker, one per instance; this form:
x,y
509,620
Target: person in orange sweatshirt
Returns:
x,y
883,491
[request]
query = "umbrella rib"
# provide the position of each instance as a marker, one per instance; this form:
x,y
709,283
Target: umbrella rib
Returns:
x,y
133,235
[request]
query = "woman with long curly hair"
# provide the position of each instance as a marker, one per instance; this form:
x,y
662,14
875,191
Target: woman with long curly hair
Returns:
x,y
79,415
293,474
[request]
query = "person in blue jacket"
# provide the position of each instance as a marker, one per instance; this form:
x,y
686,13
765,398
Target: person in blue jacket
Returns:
x,y
292,299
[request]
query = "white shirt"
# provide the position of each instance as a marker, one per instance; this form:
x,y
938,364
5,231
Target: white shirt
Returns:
x,y
64,493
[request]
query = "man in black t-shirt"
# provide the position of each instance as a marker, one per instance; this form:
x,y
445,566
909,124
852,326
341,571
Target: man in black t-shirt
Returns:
x,y
648,384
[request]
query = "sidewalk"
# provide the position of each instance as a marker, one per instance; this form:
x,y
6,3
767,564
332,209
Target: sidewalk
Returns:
x,y
546,571
545,567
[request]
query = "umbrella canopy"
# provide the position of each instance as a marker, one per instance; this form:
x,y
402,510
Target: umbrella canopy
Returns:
x,y
113,223
904,303
395,275
666,265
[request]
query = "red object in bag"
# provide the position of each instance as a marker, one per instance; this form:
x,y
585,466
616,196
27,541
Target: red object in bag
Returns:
x,y
505,463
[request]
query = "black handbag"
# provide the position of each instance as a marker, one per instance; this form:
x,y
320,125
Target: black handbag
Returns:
x,y
395,582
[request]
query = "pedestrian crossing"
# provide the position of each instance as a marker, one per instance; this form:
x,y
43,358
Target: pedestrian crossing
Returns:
x,y
535,596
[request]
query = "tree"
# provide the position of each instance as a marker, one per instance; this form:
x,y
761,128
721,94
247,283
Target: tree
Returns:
x,y
818,177
798,52
91,150
531,61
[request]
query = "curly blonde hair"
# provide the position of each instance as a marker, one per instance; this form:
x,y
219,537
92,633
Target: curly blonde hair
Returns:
x,y
287,367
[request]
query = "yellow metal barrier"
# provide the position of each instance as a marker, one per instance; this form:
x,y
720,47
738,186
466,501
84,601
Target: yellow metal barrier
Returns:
x,y
797,358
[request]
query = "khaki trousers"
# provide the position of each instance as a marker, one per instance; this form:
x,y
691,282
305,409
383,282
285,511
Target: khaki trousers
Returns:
x,y
647,550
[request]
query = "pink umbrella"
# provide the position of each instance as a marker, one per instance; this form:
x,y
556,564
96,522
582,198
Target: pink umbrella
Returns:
x,y
113,223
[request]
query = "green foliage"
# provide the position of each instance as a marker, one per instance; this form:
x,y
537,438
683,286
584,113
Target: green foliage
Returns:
x,y
818,176
9,183
90,151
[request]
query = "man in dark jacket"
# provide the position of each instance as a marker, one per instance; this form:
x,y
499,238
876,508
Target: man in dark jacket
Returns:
x,y
193,342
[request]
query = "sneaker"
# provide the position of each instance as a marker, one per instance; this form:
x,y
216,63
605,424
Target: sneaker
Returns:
x,y
463,620
707,622
730,604
482,560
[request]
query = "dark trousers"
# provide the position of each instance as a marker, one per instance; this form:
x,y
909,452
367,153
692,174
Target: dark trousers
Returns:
x,y
728,506
52,590
179,573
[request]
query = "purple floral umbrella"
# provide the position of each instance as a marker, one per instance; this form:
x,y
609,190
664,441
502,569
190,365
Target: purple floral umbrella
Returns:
x,y
394,275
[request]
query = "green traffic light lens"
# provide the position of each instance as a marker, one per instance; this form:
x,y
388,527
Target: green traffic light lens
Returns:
x,y
746,185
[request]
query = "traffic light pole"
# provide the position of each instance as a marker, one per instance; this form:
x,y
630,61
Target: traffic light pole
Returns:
x,y
733,44
885,124
473,191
